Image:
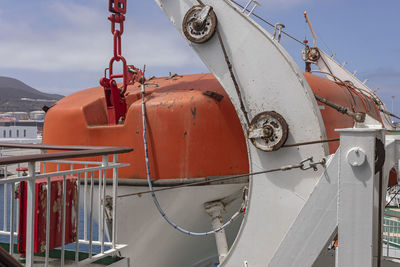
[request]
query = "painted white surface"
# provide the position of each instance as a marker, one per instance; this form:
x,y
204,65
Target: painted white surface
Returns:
x,y
358,193
152,242
315,226
269,80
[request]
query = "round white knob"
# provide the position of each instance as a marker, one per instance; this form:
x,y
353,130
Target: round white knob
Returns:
x,y
356,157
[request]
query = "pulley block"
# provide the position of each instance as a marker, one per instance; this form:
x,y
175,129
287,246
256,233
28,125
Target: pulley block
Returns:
x,y
199,24
268,131
311,54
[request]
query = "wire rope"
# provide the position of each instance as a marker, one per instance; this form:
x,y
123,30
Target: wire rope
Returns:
x,y
155,200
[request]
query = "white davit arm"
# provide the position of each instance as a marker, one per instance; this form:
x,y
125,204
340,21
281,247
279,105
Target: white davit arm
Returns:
x,y
327,64
263,78
334,70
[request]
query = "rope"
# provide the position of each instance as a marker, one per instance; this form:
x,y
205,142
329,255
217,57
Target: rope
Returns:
x,y
155,200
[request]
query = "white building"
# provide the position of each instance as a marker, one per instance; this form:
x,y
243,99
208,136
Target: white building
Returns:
x,y
37,115
19,132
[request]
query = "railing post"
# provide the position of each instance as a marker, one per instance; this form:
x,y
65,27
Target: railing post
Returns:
x,y
64,201
91,216
103,199
12,219
30,212
115,191
85,206
48,213
77,218
5,189
100,213
5,204
387,237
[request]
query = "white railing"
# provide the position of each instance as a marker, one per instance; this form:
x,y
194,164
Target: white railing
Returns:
x,y
391,237
89,175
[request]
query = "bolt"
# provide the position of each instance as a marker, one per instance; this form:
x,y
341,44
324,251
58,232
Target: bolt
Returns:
x,y
268,131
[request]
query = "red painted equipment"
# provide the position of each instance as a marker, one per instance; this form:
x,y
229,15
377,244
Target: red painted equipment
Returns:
x,y
115,97
56,210
23,170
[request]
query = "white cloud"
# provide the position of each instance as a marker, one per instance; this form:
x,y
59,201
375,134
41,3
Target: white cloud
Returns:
x,y
79,38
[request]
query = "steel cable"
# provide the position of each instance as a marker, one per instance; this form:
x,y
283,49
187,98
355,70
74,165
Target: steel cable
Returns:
x,y
270,24
155,200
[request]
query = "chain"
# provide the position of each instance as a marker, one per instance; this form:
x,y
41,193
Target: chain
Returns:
x,y
118,19
114,96
305,164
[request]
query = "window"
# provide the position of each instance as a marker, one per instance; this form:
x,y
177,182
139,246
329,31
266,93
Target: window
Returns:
x,y
4,134
9,133
17,133
24,132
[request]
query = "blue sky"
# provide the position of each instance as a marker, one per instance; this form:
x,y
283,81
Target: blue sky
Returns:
x,y
63,46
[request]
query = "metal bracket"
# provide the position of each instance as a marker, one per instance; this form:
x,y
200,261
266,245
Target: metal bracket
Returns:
x,y
279,27
256,4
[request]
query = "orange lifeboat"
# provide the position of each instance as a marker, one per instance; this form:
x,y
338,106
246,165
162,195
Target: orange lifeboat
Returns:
x,y
193,128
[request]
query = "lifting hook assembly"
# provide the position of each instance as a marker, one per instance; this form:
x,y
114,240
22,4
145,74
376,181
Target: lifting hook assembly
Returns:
x,y
115,97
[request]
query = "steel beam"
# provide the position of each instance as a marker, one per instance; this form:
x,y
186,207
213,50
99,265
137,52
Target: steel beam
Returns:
x,y
357,198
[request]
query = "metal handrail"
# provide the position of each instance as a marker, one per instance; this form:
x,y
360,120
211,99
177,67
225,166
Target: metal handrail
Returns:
x,y
50,147
77,152
68,152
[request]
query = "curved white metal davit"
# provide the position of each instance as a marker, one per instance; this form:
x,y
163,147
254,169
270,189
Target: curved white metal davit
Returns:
x,y
267,80
329,66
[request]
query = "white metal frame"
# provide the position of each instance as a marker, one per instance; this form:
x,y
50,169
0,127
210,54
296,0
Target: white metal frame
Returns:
x,y
345,202
91,169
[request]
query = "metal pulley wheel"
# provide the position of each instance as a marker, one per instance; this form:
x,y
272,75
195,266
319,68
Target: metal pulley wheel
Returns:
x,y
311,54
199,24
268,131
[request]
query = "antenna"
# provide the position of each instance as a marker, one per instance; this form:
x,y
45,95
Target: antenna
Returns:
x,y
311,28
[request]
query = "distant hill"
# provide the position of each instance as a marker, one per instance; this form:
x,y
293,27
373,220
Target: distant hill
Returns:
x,y
12,91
